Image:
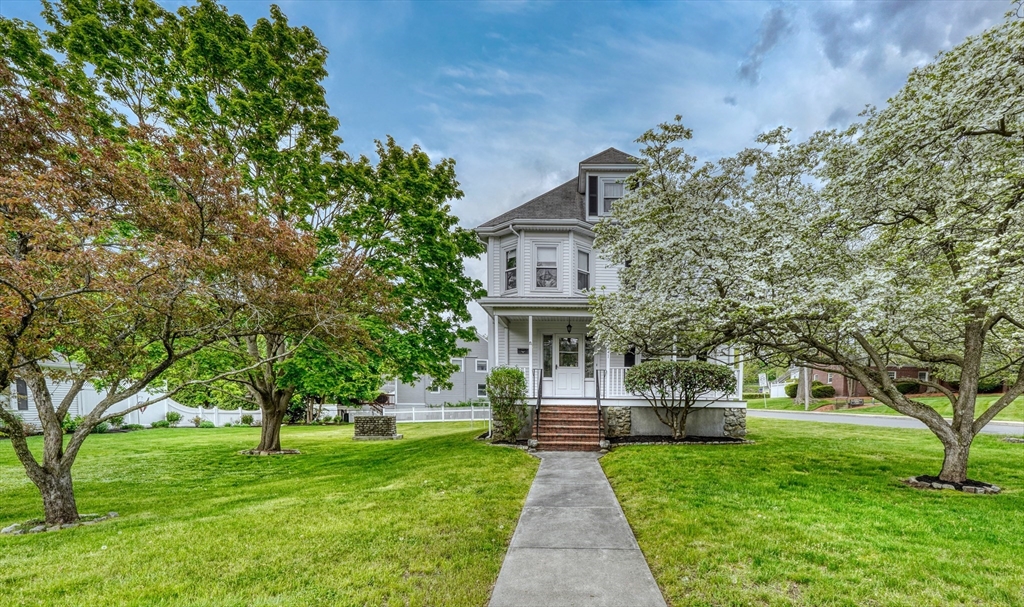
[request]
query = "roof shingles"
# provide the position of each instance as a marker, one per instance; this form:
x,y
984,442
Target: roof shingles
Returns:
x,y
564,201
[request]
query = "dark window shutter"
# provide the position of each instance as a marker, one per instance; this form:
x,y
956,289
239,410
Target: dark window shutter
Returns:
x,y
22,389
592,196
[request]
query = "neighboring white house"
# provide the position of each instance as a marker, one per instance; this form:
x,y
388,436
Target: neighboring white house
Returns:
x,y
469,383
541,264
23,404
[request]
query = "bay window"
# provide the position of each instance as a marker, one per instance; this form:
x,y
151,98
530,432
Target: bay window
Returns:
x,y
582,270
547,267
510,270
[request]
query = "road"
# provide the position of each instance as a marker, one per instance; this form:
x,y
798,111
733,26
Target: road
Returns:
x,y
884,421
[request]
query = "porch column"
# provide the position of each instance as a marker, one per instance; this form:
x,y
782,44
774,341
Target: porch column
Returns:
x,y
529,343
497,334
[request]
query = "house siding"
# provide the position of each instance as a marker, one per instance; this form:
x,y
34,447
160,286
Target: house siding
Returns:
x,y
464,384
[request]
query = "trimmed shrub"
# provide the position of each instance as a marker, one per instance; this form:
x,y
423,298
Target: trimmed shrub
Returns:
x,y
163,423
791,389
70,424
823,391
196,421
506,389
206,424
990,385
755,395
117,421
906,387
674,387
173,417
101,428
133,427
247,419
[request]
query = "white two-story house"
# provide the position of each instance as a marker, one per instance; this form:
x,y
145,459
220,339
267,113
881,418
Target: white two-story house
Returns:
x,y
541,264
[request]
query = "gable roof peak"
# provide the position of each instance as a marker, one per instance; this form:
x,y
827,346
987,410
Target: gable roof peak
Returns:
x,y
610,156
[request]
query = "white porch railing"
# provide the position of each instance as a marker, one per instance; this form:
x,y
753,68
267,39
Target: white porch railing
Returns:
x,y
531,381
423,413
615,385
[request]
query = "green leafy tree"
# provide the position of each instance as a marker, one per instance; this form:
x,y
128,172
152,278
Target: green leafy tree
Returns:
x,y
898,241
119,259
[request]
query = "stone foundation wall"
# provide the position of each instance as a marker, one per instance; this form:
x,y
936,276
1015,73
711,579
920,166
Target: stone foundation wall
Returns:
x,y
497,429
735,422
373,425
617,421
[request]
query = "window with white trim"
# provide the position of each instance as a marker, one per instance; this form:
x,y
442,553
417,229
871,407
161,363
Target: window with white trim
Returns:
x,y
434,389
830,378
511,261
547,267
582,270
610,192
922,376
892,375
481,390
602,192
481,365
460,363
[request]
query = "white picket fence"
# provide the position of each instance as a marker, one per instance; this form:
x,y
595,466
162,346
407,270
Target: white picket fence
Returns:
x,y
423,413
221,417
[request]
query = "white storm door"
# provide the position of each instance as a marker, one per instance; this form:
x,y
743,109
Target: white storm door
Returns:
x,y
568,366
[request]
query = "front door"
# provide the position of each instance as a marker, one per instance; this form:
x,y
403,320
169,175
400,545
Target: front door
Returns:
x,y
568,366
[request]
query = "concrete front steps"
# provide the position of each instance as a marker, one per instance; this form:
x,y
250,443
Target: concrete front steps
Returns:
x,y
569,428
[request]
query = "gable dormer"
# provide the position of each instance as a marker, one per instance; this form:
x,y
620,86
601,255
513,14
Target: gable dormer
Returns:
x,y
601,181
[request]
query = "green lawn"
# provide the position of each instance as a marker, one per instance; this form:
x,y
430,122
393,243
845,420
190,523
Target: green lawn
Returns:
x,y
1015,412
421,521
814,514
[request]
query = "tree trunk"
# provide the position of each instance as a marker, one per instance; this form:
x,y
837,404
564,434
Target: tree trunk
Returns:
x,y
58,493
270,430
679,428
954,463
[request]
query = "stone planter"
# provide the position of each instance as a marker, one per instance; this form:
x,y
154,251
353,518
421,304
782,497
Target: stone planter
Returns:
x,y
384,427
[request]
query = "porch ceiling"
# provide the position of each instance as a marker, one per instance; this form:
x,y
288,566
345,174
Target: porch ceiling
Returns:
x,y
554,318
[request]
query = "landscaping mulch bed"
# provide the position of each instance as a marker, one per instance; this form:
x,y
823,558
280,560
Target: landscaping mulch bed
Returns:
x,y
40,526
687,440
926,481
519,444
281,452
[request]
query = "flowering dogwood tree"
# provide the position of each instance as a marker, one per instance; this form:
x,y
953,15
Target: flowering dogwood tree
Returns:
x,y
897,241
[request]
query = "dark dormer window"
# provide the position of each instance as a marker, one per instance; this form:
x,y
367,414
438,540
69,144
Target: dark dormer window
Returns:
x,y
510,270
602,192
592,208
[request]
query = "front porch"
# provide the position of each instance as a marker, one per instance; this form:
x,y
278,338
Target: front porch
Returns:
x,y
563,366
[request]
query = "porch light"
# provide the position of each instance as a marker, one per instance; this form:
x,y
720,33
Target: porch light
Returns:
x,y
568,328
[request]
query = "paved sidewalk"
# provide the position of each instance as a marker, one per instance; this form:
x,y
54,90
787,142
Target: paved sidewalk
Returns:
x,y
867,419
572,545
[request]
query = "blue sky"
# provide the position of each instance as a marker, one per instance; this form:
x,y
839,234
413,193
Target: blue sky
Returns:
x,y
519,92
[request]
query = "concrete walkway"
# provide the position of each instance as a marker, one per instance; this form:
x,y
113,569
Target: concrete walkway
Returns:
x,y
572,545
867,419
